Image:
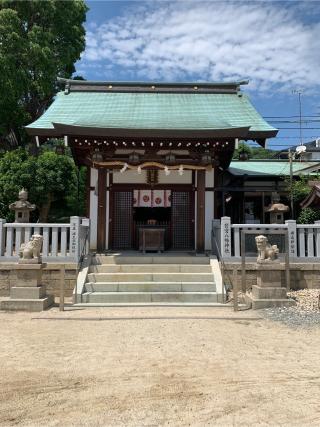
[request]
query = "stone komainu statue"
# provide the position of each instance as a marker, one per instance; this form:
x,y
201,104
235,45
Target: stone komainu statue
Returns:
x,y
31,249
266,252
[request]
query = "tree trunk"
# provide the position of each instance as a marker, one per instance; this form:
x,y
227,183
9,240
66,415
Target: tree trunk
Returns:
x,y
45,209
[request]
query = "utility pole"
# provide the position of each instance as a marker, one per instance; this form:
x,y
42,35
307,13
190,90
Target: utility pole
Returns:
x,y
290,157
299,93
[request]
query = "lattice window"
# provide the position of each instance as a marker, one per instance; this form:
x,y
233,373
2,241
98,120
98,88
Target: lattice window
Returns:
x,y
122,220
181,220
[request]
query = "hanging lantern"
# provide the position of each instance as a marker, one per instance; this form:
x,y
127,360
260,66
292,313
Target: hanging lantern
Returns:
x,y
206,158
97,155
170,158
181,170
139,170
243,156
134,157
166,170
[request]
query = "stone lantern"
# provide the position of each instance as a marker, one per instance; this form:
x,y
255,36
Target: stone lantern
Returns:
x,y
22,207
276,209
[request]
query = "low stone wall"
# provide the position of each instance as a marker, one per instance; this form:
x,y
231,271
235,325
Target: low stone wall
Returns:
x,y
51,278
302,274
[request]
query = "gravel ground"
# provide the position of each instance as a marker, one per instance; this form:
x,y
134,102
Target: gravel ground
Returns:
x,y
306,314
156,366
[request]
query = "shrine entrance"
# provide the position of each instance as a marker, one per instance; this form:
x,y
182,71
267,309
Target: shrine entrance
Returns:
x,y
171,211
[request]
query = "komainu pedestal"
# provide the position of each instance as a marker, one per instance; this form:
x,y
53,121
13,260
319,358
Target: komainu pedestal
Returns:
x,y
268,292
27,292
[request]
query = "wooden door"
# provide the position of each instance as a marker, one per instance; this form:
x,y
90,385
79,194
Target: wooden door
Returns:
x,y
122,219
182,219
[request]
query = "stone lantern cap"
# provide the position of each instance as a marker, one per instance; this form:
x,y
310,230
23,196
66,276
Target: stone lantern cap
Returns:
x,y
275,205
22,204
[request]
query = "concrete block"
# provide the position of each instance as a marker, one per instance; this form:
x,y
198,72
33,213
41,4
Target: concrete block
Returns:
x,y
268,293
269,278
30,278
27,304
268,303
28,292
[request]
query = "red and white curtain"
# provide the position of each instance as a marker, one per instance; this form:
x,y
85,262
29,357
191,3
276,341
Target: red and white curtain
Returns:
x,y
152,198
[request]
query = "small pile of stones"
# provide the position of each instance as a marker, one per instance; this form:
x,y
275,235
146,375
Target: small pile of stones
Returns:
x,y
306,312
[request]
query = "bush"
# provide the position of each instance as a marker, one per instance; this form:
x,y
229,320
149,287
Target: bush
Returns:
x,y
308,215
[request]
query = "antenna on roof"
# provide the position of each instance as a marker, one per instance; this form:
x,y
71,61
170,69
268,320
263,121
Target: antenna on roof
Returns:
x,y
299,93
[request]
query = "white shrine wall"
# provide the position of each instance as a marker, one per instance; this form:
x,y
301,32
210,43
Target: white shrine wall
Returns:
x,y
132,177
93,207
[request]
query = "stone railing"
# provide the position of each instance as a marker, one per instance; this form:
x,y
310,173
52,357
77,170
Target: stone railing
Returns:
x,y
61,242
303,239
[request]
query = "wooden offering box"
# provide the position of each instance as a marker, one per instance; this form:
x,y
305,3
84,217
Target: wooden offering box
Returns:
x,y
151,239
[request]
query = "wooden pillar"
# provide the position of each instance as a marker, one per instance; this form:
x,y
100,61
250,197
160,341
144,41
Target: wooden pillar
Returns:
x,y
201,187
88,191
101,237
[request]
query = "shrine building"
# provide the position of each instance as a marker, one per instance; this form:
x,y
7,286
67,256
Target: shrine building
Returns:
x,y
154,153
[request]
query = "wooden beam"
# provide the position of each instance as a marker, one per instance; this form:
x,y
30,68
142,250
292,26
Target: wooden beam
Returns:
x,y
101,237
201,181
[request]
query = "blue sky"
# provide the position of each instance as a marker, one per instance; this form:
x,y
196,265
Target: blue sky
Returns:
x,y
274,44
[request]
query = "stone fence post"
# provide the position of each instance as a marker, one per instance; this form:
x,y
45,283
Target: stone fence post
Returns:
x,y
292,238
86,223
317,232
2,236
225,237
75,222
215,236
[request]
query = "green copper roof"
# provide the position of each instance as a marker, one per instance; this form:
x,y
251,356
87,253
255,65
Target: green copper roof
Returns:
x,y
277,168
152,110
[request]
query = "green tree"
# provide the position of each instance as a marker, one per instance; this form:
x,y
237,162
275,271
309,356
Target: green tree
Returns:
x,y
253,152
51,180
299,189
39,40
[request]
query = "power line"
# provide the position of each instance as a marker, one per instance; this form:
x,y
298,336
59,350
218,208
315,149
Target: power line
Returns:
x,y
299,128
294,121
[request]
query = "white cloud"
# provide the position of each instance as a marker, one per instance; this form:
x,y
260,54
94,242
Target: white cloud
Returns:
x,y
265,42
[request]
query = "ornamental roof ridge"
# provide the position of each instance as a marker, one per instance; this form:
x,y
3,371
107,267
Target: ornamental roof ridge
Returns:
x,y
152,86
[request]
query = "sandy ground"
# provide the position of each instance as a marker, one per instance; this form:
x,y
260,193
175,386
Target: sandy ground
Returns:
x,y
156,367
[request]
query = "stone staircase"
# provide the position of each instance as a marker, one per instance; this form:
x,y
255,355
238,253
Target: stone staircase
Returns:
x,y
148,280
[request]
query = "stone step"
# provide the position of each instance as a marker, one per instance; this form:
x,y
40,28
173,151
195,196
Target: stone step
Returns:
x,y
150,268
151,259
152,304
35,305
151,277
28,292
148,297
150,287
267,303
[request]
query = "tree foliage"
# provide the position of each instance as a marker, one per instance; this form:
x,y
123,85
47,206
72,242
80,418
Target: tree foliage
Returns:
x,y
308,215
39,40
299,189
51,179
253,152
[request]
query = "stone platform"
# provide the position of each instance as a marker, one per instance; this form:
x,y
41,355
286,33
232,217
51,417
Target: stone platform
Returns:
x,y
269,292
28,293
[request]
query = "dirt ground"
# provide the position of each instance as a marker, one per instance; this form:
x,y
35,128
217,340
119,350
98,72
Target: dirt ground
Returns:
x,y
156,367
